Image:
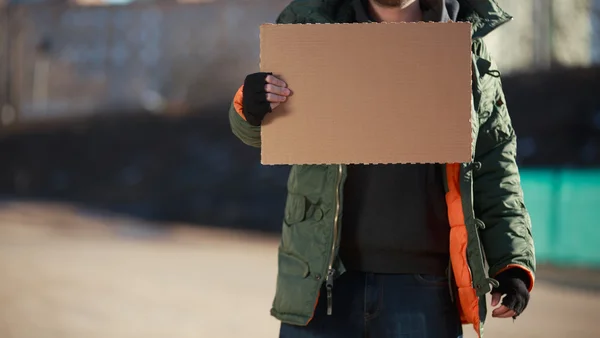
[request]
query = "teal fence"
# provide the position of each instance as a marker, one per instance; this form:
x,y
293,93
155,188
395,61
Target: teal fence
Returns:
x,y
565,212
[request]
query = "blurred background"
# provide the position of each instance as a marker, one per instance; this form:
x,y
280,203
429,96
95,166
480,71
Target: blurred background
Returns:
x,y
125,204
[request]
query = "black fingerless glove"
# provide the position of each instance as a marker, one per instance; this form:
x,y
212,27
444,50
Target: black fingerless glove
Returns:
x,y
254,98
514,284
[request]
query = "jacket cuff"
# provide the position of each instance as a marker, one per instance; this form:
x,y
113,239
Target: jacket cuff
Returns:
x,y
527,271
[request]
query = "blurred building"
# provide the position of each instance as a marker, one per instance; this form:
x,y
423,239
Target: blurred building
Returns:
x,y
65,61
80,57
547,33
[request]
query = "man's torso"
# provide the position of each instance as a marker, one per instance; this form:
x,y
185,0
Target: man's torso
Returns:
x,y
395,218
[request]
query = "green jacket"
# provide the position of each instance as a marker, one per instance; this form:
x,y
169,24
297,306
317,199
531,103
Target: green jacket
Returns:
x,y
490,226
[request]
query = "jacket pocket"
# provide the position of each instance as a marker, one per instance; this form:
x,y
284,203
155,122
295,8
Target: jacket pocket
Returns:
x,y
295,292
295,209
290,265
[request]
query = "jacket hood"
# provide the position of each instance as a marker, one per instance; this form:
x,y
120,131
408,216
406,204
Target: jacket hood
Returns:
x,y
484,15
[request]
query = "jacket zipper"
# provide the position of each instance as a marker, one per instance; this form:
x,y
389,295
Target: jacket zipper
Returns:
x,y
470,167
330,269
475,166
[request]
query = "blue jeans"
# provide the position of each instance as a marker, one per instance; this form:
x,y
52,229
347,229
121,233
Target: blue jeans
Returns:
x,y
367,305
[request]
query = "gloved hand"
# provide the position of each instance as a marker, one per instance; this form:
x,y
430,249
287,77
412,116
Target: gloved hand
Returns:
x,y
262,93
514,286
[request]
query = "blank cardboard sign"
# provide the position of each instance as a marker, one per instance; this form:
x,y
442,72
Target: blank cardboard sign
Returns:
x,y
377,93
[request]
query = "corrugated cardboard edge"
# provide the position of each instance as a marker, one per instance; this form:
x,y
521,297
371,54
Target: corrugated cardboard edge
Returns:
x,y
261,40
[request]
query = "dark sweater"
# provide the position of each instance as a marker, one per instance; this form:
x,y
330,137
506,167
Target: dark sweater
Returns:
x,y
395,216
395,219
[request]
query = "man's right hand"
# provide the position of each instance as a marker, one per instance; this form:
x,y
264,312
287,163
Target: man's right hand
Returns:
x,y
262,93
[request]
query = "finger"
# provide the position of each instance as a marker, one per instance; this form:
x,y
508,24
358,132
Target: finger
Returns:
x,y
269,88
496,299
501,312
274,105
509,314
274,98
275,81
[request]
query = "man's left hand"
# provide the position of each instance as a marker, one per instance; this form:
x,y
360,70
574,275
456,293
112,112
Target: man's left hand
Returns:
x,y
514,287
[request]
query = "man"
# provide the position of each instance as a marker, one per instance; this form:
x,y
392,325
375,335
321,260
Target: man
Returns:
x,y
421,245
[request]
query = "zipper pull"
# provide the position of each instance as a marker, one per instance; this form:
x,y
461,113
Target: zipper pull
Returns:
x,y
329,286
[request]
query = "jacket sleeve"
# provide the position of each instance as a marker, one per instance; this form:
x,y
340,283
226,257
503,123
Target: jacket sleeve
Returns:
x,y
498,197
247,133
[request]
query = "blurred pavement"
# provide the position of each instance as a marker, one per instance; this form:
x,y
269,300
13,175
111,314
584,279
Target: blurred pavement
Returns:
x,y
71,273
